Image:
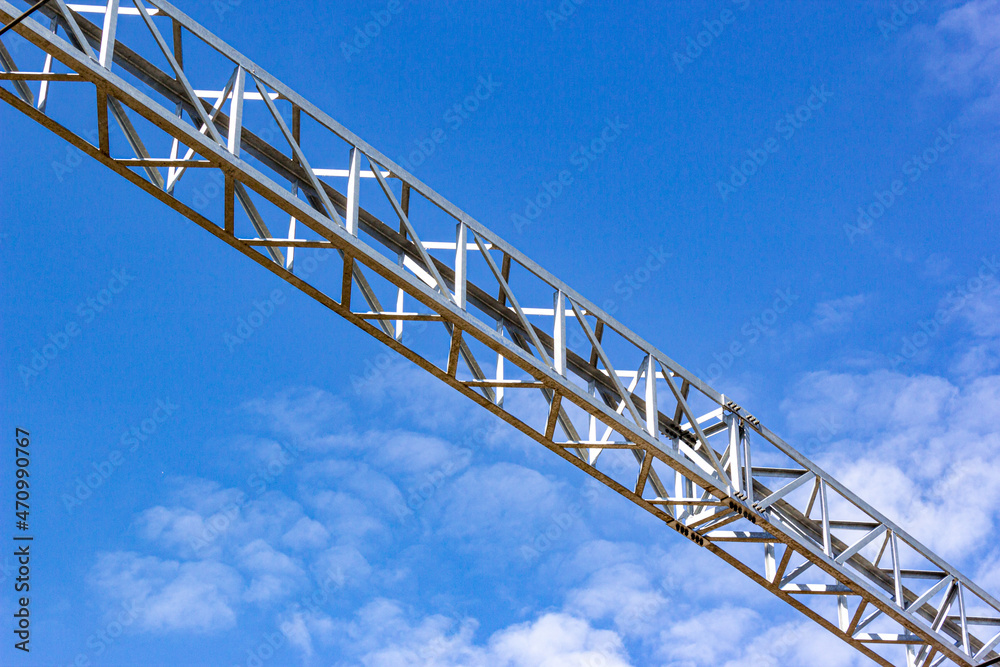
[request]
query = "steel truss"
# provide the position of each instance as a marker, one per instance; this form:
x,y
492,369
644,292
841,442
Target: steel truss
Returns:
x,y
562,371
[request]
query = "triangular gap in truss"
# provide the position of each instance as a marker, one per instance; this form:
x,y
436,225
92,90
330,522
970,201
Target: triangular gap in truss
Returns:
x,y
700,405
481,282
620,465
19,55
204,66
799,497
574,423
446,252
752,555
203,189
164,48
129,29
978,607
72,103
875,628
772,468
659,486
27,56
431,222
413,255
253,218
473,363
613,386
322,268
373,297
624,355
184,150
579,369
537,300
845,509
830,607
438,342
985,626
598,437
793,567
156,142
489,272
372,199
529,406
920,579
328,153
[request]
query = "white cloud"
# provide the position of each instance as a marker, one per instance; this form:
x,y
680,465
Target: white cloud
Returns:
x,y
308,415
962,51
384,634
866,403
169,595
706,638
502,507
346,565
798,643
556,640
275,575
306,534
414,453
624,593
981,310
837,314
961,57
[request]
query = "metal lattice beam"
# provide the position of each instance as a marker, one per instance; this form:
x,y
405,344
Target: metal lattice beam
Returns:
x,y
571,361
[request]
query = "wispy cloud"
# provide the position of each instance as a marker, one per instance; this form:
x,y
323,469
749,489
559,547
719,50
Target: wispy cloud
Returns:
x,y
170,595
838,314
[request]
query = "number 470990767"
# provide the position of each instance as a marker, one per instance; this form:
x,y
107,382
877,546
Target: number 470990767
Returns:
x,y
21,473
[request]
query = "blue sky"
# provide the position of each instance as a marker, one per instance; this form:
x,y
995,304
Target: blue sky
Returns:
x,y
308,488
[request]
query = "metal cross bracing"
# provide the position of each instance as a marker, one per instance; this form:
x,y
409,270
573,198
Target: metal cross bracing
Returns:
x,y
498,328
